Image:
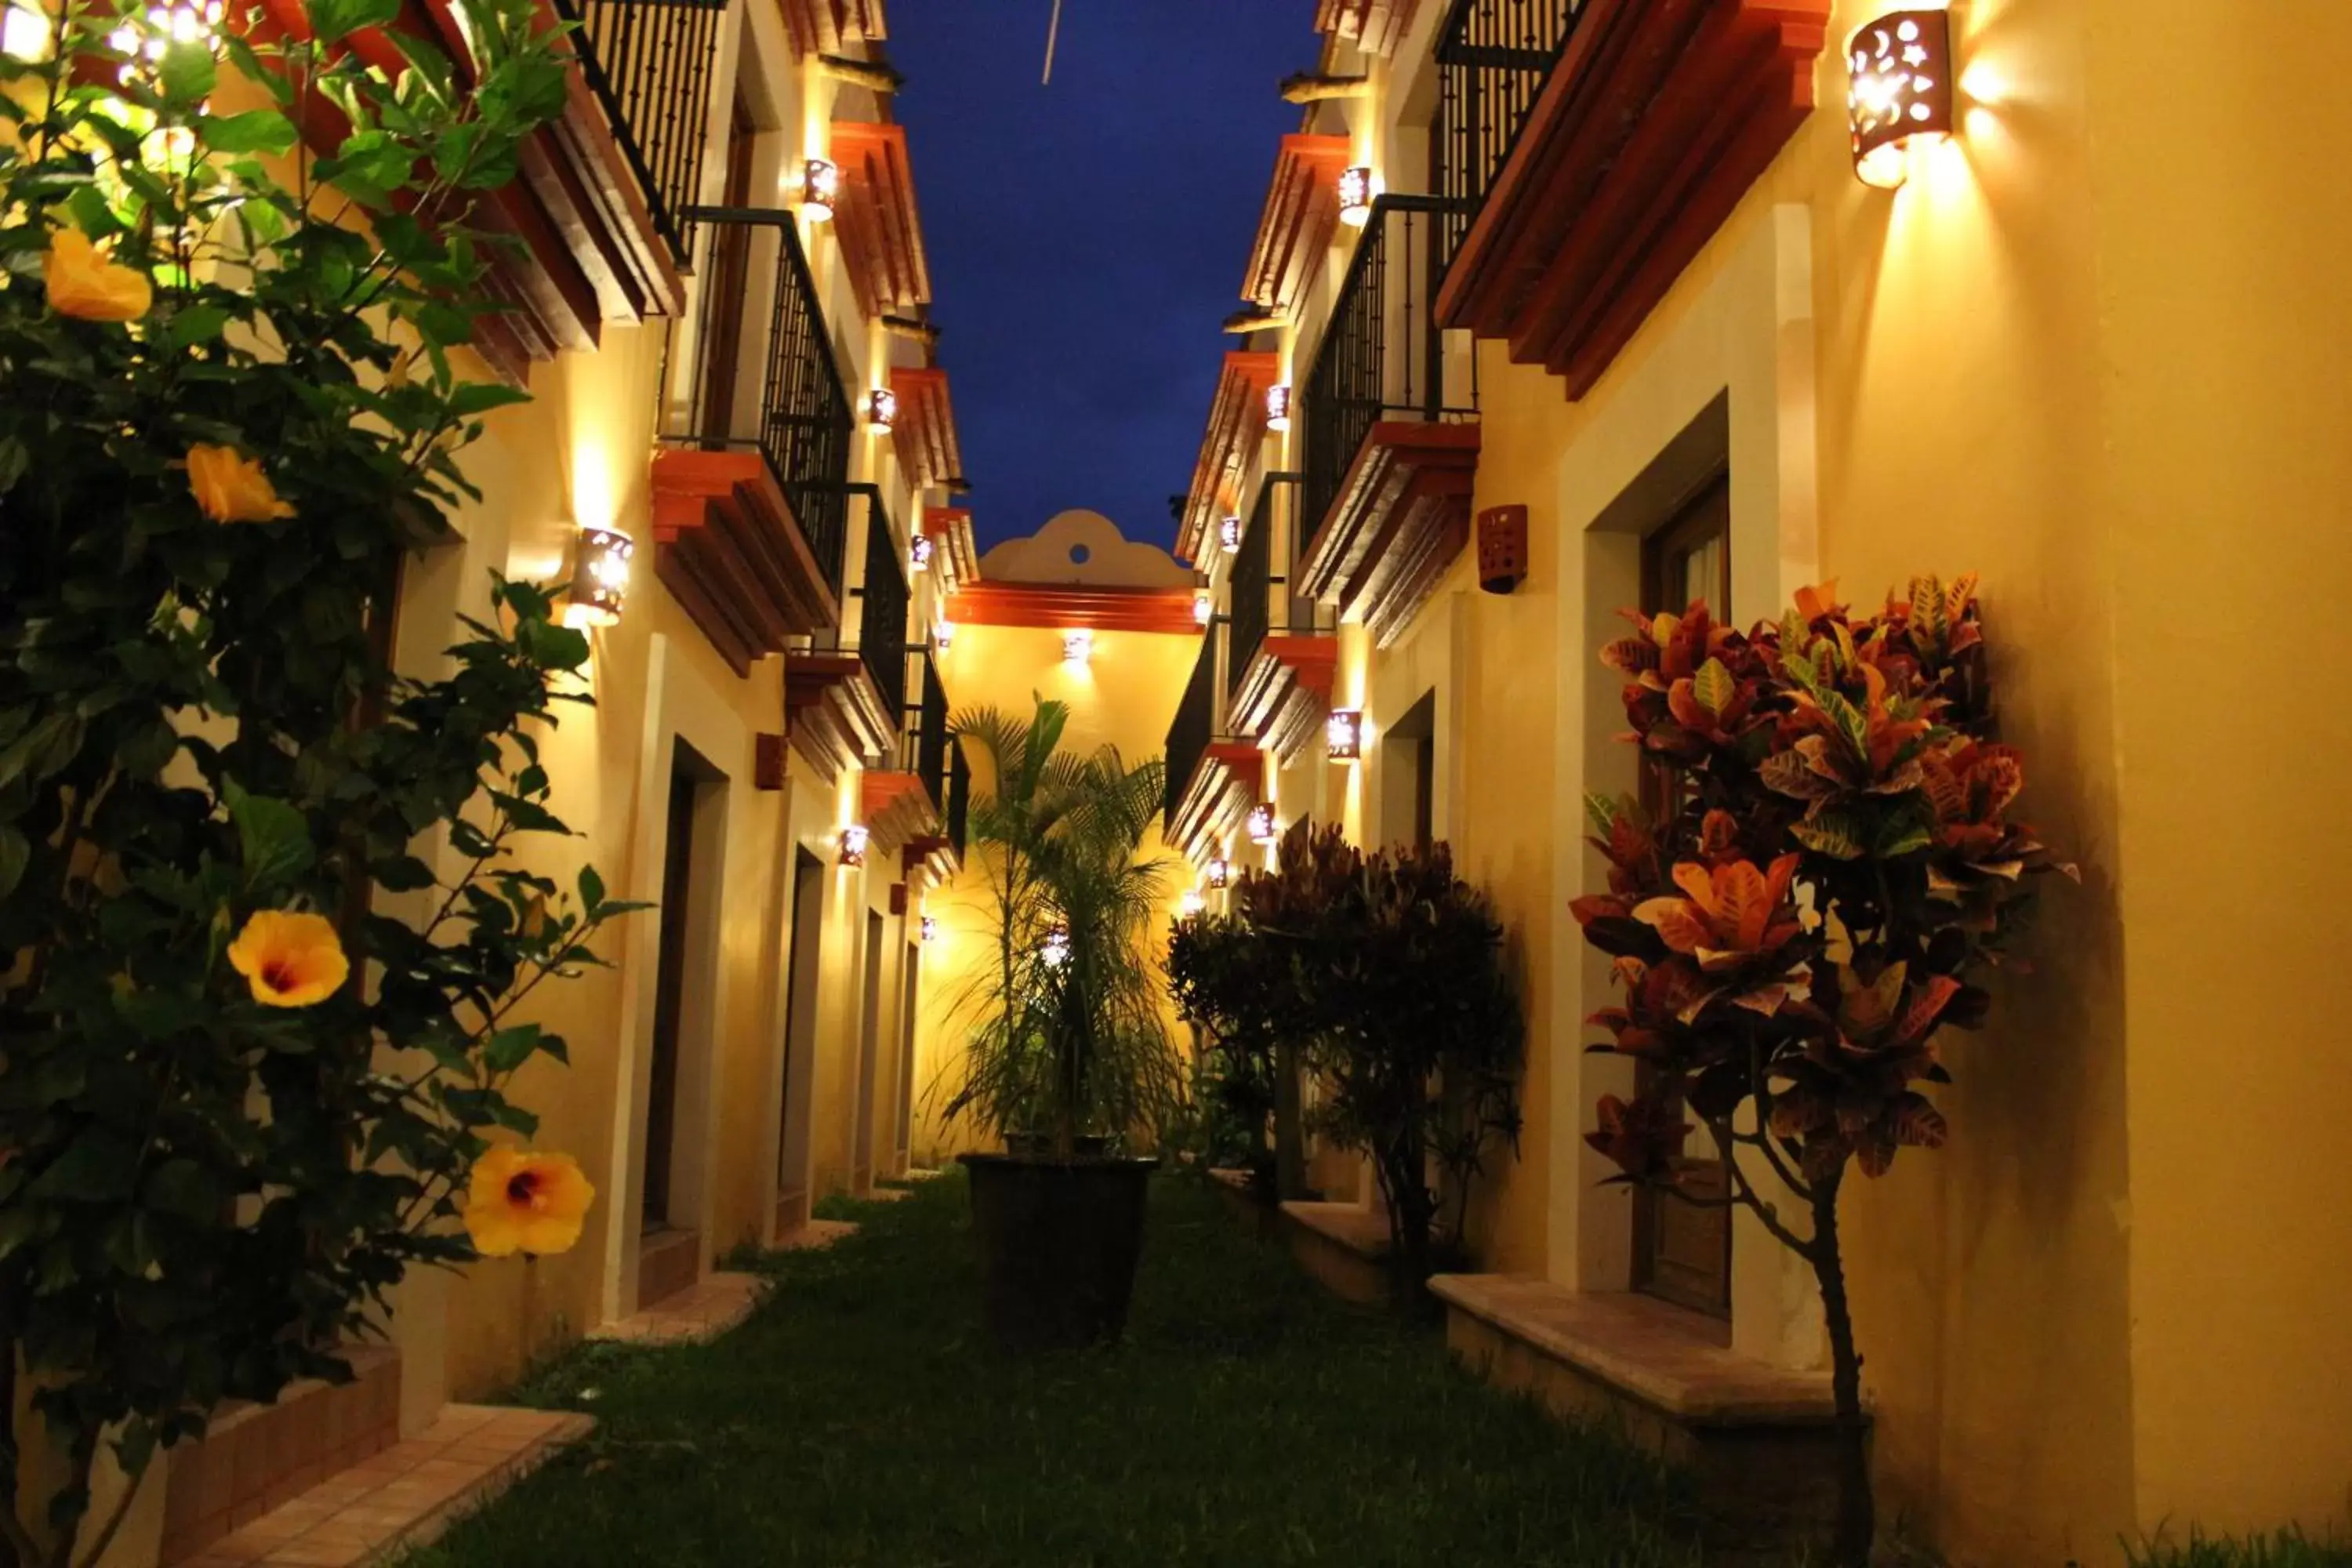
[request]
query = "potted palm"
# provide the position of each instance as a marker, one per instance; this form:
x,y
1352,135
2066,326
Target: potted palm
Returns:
x,y
1068,1054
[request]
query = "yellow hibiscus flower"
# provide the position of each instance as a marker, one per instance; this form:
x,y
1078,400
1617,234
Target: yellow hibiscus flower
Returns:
x,y
84,284
522,1202
231,488
290,959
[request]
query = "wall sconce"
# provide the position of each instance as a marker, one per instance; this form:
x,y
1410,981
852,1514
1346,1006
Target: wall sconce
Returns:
x,y
1218,874
1900,91
1192,904
1278,408
820,188
882,408
1229,535
854,839
1057,951
600,578
1261,827
1343,734
1077,647
1502,548
1357,187
1204,610
943,635
918,554
931,928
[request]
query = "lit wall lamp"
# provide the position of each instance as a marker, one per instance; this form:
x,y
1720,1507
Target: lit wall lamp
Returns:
x,y
1278,408
854,839
1204,610
882,408
1218,874
1260,827
1192,904
1343,734
931,928
1900,91
943,635
600,578
918,554
1057,951
1358,188
1077,647
1229,535
820,188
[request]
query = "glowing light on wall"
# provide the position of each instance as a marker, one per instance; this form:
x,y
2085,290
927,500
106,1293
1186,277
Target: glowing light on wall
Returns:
x,y
1203,610
1261,826
882,408
820,188
600,578
931,928
1057,951
1192,904
1358,188
918,554
854,840
1900,91
1077,647
1229,535
1218,874
1343,734
1278,408
943,635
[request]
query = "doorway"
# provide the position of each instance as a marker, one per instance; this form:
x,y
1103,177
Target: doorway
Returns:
x,y
800,1042
1682,1251
669,1256
1409,762
724,306
909,994
869,1051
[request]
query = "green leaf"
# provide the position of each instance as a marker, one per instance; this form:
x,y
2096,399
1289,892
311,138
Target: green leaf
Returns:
x,y
1836,833
333,19
1714,687
591,890
481,396
254,130
99,1166
183,1187
273,839
187,72
510,1048
15,854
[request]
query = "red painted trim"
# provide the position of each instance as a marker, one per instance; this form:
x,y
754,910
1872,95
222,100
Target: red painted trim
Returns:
x,y
1302,208
1076,607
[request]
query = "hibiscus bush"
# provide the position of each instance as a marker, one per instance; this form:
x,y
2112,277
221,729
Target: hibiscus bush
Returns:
x,y
1832,874
264,934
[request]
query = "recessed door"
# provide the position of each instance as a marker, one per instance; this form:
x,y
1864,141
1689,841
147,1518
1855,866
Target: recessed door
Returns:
x,y
870,1052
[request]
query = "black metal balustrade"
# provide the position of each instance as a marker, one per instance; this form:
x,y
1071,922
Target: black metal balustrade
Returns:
x,y
649,63
959,797
1195,723
1384,353
784,395
1252,589
926,736
1494,57
882,593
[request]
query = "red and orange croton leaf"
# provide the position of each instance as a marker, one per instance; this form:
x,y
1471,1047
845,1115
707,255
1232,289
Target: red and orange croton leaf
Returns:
x,y
1640,1137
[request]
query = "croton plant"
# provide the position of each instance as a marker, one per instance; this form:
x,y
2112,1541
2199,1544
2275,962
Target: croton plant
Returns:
x,y
1823,872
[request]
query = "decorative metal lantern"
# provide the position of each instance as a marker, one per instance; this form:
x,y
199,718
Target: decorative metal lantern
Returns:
x,y
1343,734
1278,408
931,928
882,408
1502,548
1204,610
943,635
1077,647
600,578
1192,904
854,839
1218,874
1899,91
1261,826
1229,535
1357,190
820,188
918,554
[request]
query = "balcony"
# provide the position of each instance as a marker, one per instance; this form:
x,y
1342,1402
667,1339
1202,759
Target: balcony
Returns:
x,y
1210,783
1282,655
648,62
1236,434
1390,444
874,218
1375,26
830,27
1591,180
925,435
846,706
906,803
749,486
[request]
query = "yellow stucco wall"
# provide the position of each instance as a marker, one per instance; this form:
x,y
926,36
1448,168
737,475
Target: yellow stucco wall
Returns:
x,y
1124,695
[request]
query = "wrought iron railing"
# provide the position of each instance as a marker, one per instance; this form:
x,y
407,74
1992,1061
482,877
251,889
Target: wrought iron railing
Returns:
x,y
649,63
1195,724
1252,585
783,393
884,600
926,733
1494,57
1384,353
959,798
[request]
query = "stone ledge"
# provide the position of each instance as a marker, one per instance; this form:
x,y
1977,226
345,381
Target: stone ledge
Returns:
x,y
700,1312
1643,1349
1345,1247
1363,1231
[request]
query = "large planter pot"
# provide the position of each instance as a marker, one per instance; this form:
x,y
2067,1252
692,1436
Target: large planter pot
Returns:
x,y
1058,1247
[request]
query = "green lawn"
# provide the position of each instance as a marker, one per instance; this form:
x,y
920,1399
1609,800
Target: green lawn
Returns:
x,y
1249,1420
2289,1548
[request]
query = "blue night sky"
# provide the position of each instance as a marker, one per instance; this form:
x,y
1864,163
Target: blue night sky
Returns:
x,y
1087,238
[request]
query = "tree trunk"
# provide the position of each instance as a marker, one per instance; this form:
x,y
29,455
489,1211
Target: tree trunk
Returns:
x,y
1289,1132
1857,1516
